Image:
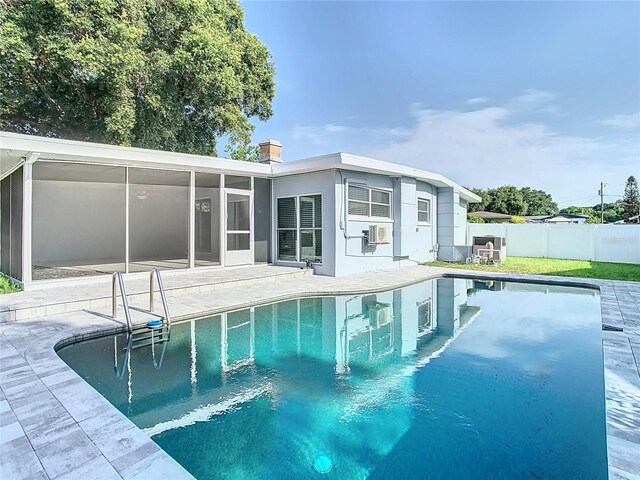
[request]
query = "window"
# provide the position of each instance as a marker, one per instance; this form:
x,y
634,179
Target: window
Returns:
x,y
300,228
369,202
424,210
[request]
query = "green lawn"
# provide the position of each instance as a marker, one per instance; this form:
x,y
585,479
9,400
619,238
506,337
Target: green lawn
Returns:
x,y
552,266
6,286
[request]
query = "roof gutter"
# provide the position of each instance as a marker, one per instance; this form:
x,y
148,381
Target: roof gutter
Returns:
x,y
28,159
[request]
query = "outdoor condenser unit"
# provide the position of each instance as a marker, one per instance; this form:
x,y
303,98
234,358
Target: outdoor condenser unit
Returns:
x,y
490,246
379,234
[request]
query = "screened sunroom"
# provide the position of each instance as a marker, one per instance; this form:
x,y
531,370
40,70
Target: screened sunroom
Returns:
x,y
72,209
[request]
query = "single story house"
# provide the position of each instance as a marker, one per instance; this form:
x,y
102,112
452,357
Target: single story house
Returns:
x,y
73,209
558,218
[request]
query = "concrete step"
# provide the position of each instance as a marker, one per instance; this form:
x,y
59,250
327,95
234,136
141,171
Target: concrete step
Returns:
x,y
95,294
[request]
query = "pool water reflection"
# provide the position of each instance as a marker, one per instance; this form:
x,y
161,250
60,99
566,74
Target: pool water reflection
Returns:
x,y
448,378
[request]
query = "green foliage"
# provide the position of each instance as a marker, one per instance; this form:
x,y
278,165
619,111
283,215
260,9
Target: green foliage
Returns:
x,y
165,74
474,219
588,211
516,219
612,212
538,202
556,267
7,285
513,201
482,206
243,151
631,199
508,200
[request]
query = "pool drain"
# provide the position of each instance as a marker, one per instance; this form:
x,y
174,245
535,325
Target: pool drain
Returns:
x,y
322,464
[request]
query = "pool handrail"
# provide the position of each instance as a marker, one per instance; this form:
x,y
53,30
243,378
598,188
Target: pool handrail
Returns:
x,y
167,317
119,282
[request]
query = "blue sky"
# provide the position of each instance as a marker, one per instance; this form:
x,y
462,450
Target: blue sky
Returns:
x,y
540,94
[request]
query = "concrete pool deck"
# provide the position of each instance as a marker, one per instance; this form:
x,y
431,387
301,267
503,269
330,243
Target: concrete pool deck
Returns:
x,y
54,425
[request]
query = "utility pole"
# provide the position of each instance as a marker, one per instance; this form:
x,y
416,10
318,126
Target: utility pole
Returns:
x,y
601,193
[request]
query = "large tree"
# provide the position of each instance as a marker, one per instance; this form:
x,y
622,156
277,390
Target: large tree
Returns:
x,y
513,201
631,199
507,199
482,205
538,202
166,74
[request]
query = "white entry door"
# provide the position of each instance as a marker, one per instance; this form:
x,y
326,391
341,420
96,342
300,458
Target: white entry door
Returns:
x,y
239,227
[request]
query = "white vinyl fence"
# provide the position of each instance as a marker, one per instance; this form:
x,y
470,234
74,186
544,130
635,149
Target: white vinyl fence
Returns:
x,y
602,243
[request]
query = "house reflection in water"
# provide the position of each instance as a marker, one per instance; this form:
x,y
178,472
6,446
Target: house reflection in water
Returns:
x,y
328,360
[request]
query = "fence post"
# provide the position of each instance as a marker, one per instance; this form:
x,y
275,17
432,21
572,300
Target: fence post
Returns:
x,y
545,240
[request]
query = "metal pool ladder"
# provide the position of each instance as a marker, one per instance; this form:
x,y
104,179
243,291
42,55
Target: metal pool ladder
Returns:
x,y
154,331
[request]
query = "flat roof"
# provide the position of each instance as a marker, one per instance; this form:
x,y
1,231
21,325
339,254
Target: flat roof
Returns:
x,y
484,214
15,146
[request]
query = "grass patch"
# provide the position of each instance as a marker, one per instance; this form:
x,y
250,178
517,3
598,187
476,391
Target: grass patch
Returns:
x,y
7,286
556,267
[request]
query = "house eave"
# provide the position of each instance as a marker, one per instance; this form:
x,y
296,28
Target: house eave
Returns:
x,y
16,146
346,161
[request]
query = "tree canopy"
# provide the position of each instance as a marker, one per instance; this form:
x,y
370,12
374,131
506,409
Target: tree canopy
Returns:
x,y
166,74
515,201
612,212
631,199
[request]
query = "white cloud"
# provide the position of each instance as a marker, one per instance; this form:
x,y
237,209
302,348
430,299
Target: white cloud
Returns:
x,y
532,96
333,137
623,121
491,146
478,100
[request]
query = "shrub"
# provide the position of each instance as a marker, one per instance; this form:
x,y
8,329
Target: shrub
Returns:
x,y
516,219
474,219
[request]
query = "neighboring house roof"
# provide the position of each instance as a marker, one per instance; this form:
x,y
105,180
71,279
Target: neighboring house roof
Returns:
x,y
491,215
561,217
633,220
14,146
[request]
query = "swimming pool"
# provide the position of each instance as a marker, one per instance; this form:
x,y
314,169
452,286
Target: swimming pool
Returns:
x,y
449,378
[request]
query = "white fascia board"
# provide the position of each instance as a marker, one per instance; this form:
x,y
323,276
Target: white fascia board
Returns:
x,y
369,165
402,170
307,165
86,152
19,145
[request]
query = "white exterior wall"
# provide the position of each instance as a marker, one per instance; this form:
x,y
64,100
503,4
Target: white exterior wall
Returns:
x,y
602,243
410,243
452,220
322,183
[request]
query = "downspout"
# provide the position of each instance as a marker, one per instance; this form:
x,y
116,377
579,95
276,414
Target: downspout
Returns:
x,y
344,223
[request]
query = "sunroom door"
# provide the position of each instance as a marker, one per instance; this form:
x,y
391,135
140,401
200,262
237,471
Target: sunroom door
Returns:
x,y
239,232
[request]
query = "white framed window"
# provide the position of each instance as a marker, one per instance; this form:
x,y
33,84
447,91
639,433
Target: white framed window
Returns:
x,y
369,202
424,211
300,228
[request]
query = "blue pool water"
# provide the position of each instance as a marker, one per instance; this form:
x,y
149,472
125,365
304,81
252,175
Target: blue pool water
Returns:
x,y
445,379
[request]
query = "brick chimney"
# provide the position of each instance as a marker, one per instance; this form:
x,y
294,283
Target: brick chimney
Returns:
x,y
271,152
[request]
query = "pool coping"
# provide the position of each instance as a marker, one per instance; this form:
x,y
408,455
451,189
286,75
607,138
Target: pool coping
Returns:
x,y
82,432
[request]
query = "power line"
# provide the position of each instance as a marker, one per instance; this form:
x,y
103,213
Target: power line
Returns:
x,y
577,199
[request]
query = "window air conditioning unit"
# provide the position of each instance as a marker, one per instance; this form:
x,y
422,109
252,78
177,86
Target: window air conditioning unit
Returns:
x,y
379,234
